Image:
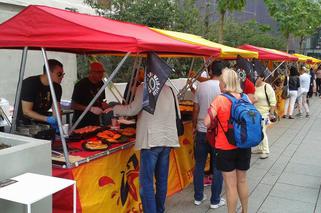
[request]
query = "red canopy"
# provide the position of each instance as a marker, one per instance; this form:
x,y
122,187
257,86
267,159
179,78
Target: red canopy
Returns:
x,y
269,54
60,30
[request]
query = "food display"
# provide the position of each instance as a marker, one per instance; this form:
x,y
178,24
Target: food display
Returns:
x,y
186,102
111,137
86,130
185,108
129,131
94,145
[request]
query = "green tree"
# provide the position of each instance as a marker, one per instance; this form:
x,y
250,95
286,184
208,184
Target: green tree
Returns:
x,y
250,32
295,17
309,22
224,6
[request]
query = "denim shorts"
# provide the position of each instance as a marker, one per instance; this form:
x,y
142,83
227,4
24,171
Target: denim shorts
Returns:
x,y
229,160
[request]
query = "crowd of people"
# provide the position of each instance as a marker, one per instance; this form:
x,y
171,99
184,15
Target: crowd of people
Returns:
x,y
157,134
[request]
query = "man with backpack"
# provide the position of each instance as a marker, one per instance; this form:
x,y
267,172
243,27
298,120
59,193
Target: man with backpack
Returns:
x,y
205,94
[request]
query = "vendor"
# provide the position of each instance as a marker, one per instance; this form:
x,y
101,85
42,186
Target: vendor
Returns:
x,y
84,91
36,98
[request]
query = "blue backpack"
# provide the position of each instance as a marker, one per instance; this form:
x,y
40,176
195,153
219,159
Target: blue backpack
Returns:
x,y
245,123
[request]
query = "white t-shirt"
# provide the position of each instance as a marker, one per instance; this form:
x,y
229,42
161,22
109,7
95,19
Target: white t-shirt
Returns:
x,y
304,82
204,96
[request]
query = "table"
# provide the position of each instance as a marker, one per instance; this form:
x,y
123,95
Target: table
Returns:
x,y
41,186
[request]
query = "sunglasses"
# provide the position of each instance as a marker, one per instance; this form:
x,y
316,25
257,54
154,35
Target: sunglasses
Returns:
x,y
60,74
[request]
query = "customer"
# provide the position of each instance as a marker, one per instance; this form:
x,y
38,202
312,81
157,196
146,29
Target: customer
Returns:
x,y
205,94
294,84
156,134
303,92
231,160
265,104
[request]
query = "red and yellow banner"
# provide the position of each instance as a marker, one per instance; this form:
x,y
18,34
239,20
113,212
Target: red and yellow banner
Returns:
x,y
112,182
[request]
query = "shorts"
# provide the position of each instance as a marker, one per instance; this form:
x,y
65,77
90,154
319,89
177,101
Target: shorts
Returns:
x,y
229,160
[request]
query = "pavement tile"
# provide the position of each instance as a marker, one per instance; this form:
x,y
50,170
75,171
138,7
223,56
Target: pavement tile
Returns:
x,y
298,193
270,178
303,169
280,205
299,180
258,196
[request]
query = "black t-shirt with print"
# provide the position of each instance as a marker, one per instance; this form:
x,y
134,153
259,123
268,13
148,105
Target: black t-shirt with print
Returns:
x,y
34,91
84,92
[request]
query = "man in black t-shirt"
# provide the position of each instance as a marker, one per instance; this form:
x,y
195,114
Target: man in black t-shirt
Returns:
x,y
84,91
36,98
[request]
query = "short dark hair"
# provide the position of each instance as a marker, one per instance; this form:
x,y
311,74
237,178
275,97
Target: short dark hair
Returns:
x,y
217,67
52,63
293,71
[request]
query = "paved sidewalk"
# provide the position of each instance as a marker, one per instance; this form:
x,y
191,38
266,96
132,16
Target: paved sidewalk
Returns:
x,y
288,181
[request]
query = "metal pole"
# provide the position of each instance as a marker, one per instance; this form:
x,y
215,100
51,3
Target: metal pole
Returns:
x,y
17,99
134,88
132,77
274,70
102,89
190,81
170,81
56,109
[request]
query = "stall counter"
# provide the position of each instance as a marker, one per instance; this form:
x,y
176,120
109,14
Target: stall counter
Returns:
x,y
111,182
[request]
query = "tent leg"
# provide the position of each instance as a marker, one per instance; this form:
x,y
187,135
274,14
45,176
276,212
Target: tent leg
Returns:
x,y
102,89
18,92
132,77
56,109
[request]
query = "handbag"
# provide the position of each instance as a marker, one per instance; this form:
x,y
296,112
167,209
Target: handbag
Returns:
x,y
212,130
285,91
179,122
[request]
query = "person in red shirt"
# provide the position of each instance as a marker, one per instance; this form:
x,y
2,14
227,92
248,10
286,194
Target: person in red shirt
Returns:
x,y
231,160
249,89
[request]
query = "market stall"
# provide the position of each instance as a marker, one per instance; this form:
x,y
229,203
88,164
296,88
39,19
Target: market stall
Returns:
x,y
45,28
273,56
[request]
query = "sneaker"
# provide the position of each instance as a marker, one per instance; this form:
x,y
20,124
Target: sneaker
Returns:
x,y
207,180
197,202
307,116
284,116
256,151
290,117
264,155
221,203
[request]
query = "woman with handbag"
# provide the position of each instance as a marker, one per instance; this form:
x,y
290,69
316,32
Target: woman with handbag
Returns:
x,y
266,105
293,82
231,160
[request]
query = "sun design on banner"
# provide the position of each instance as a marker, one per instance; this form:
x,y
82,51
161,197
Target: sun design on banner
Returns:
x,y
153,83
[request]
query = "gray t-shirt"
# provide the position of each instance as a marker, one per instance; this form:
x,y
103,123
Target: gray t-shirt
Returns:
x,y
204,96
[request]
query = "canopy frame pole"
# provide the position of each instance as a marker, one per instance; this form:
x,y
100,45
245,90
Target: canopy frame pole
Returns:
x,y
19,86
102,89
190,81
172,84
56,109
132,77
136,77
112,87
274,70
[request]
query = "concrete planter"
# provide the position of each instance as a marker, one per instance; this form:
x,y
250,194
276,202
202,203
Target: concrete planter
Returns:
x,y
25,155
